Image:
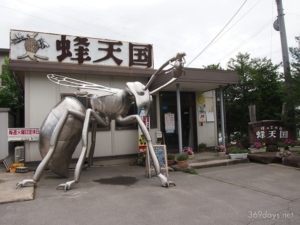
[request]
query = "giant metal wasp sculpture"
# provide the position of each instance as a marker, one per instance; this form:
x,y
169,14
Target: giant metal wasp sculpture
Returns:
x,y
69,120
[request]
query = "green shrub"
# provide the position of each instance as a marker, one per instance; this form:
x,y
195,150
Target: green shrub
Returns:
x,y
202,145
182,157
281,145
272,148
237,151
191,171
170,156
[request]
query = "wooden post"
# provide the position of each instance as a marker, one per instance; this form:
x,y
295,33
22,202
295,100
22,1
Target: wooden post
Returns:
x,y
252,113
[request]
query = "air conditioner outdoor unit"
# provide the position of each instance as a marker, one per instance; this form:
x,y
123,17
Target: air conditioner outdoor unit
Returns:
x,y
19,154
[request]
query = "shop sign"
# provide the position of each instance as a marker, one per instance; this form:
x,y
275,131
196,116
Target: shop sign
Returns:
x,y
45,47
169,123
23,134
268,131
201,108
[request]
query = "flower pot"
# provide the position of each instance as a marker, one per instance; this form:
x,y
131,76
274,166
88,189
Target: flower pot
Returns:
x,y
170,162
255,150
239,156
201,149
182,164
294,148
221,153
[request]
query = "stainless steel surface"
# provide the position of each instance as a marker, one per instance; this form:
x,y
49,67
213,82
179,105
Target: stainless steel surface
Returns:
x,y
68,120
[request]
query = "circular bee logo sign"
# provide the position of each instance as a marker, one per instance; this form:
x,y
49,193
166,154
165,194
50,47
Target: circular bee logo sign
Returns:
x,y
200,100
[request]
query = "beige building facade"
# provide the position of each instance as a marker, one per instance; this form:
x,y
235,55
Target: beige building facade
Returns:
x,y
196,88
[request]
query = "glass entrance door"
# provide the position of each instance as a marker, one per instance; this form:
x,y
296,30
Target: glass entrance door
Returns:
x,y
169,120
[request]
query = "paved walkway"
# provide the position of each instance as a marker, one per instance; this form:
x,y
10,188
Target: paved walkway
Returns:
x,y
237,194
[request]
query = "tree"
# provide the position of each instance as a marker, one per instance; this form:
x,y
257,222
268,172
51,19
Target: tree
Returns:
x,y
295,72
11,94
213,67
258,84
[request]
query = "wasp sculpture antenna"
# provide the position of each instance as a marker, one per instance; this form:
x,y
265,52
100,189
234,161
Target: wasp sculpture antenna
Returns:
x,y
69,120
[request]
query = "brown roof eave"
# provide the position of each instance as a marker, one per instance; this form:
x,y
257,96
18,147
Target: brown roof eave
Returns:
x,y
75,68
193,75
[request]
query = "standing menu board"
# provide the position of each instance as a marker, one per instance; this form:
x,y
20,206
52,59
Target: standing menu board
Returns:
x,y
161,154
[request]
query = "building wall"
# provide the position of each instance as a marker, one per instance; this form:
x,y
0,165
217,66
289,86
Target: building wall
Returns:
x,y
3,54
41,95
4,121
1,62
207,132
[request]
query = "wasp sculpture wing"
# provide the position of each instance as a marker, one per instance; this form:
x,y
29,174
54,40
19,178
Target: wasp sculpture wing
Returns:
x,y
86,89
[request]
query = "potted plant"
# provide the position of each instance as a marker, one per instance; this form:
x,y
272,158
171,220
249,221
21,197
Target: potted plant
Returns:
x,y
293,145
257,147
188,150
182,160
281,146
171,159
236,153
284,154
272,148
142,157
202,147
220,150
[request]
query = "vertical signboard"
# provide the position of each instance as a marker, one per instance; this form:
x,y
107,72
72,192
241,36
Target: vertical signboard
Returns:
x,y
170,123
201,108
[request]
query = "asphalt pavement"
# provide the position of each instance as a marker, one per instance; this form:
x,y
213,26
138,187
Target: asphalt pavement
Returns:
x,y
246,193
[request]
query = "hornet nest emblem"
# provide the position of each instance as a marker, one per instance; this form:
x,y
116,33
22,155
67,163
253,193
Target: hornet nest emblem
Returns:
x,y
31,45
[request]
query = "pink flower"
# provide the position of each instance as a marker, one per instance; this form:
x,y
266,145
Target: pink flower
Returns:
x,y
220,148
188,150
257,145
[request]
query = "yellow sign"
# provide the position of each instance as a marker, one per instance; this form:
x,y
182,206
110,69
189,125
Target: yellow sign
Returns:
x,y
200,100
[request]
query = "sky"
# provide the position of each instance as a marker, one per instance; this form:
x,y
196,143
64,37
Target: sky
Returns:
x,y
171,26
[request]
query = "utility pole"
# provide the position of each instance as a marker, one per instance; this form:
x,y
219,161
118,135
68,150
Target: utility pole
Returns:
x,y
279,25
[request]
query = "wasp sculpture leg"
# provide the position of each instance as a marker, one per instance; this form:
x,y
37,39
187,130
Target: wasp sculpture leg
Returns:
x,y
93,143
135,118
53,144
90,113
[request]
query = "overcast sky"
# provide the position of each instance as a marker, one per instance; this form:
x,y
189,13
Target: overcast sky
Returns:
x,y
170,25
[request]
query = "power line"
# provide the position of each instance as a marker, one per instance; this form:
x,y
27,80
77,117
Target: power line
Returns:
x,y
236,22
217,34
240,45
89,33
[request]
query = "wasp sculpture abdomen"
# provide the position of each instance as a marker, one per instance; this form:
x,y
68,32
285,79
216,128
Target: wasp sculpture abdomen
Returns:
x,y
69,136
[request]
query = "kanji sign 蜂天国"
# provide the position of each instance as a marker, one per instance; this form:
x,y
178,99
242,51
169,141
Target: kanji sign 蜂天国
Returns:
x,y
29,45
268,131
